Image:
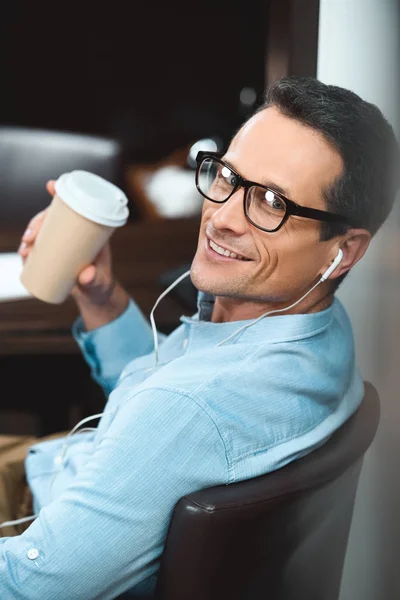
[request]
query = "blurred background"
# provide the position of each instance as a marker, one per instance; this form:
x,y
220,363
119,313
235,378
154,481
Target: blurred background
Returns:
x,y
157,78
132,91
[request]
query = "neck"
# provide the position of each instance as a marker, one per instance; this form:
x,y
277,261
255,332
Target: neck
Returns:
x,y
233,309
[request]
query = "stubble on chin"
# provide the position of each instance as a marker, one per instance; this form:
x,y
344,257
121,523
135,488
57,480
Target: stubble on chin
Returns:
x,y
232,287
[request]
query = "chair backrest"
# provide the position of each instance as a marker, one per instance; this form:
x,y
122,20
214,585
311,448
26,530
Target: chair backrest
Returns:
x,y
281,536
30,157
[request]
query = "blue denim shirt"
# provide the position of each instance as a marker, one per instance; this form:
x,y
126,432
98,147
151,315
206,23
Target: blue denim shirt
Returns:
x,y
206,415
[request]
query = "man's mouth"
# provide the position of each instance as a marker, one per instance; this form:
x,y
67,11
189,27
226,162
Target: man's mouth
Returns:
x,y
224,251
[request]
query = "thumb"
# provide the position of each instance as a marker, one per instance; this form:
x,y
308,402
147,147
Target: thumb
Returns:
x,y
50,187
87,276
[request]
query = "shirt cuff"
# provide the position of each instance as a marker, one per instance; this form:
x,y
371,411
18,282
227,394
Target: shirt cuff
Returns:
x,y
108,349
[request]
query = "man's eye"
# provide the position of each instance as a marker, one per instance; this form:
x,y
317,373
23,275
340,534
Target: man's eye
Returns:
x,y
228,176
274,201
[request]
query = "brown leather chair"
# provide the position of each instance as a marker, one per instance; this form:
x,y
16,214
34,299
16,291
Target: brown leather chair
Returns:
x,y
29,157
281,536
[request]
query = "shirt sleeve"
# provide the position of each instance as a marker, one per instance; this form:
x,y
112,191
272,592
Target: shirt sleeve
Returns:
x,y
105,533
109,348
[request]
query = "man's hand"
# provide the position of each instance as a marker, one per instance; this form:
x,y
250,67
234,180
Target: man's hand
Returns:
x,y
99,297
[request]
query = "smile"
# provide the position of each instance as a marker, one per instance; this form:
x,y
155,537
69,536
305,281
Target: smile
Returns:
x,y
224,251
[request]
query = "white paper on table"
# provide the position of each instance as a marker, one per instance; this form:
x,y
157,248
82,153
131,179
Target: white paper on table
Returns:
x,y
10,270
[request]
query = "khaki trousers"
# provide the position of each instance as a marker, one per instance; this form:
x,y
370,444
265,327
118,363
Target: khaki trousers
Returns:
x,y
15,495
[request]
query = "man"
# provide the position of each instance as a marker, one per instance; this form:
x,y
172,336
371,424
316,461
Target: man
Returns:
x,y
304,185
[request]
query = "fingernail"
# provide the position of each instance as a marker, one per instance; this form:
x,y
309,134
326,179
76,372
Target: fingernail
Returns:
x,y
27,233
22,246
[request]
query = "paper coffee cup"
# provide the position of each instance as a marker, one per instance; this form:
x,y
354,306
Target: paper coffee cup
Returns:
x,y
81,217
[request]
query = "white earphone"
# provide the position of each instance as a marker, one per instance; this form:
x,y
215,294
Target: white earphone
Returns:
x,y
323,277
333,266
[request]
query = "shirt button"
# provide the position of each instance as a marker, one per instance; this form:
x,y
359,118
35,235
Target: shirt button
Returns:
x,y
33,553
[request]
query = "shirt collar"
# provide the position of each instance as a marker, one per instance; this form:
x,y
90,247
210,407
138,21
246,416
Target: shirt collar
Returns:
x,y
205,305
277,328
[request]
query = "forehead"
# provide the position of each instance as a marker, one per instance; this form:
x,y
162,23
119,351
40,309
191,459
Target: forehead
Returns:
x,y
273,148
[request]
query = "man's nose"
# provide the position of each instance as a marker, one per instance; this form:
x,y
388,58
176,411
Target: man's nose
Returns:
x,y
230,214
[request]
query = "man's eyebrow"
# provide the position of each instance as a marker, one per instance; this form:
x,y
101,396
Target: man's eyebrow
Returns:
x,y
267,182
275,187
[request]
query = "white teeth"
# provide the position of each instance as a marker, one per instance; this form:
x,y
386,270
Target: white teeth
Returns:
x,y
224,252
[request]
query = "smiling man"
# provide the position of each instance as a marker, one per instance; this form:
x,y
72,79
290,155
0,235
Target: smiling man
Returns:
x,y
275,256
261,375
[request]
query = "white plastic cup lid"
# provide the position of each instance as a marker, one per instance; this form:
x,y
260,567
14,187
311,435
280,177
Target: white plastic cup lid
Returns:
x,y
93,197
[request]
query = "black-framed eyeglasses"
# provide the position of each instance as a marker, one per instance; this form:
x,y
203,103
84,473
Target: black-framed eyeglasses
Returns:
x,y
264,207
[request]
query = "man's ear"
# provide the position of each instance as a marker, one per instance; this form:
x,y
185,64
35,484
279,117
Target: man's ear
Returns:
x,y
353,245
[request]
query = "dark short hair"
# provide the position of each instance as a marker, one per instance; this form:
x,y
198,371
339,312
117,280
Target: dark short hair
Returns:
x,y
365,191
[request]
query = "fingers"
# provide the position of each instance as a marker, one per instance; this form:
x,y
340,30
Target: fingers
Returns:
x,y
30,233
33,227
50,187
87,276
23,250
96,279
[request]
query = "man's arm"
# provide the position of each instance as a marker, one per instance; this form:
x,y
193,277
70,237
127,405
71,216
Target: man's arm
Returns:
x,y
111,331
121,334
105,533
107,308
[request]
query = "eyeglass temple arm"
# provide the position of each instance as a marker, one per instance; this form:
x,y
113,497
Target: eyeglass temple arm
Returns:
x,y
314,213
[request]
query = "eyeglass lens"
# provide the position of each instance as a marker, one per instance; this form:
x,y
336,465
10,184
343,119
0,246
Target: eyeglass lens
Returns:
x,y
263,207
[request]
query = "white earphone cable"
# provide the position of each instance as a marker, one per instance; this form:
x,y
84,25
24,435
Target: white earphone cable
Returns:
x,y
60,457
64,448
152,321
18,521
271,312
